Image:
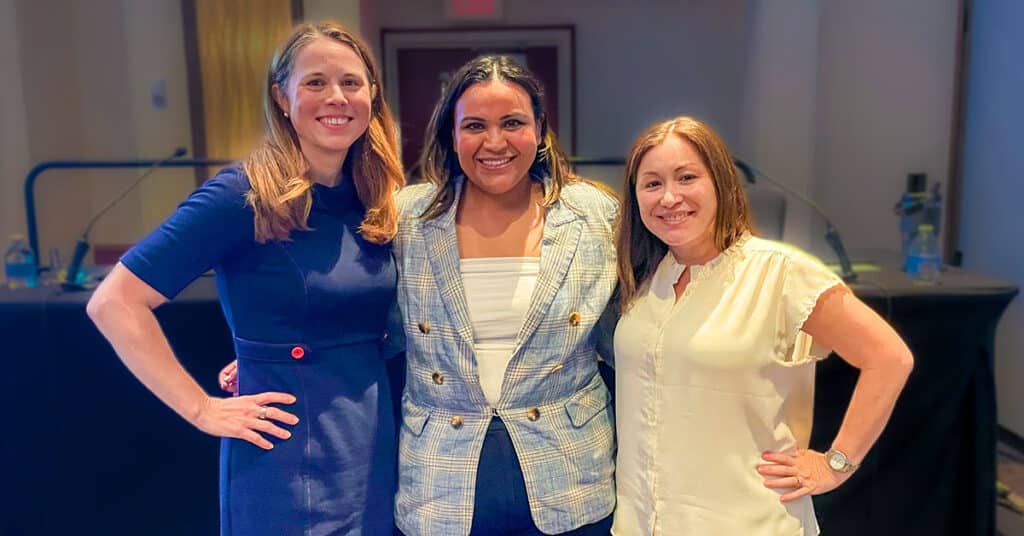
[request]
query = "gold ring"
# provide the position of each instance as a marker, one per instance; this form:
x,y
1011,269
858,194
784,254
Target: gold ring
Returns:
x,y
263,413
799,482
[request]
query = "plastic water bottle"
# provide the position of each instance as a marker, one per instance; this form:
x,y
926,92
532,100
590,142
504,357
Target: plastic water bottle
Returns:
x,y
916,206
923,260
20,264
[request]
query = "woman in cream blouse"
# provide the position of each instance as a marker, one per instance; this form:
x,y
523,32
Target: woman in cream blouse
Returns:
x,y
715,354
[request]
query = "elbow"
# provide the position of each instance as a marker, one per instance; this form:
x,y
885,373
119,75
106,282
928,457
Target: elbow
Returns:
x,y
95,307
99,306
904,362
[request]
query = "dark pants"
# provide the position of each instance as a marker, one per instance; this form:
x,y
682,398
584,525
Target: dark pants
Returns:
x,y
501,507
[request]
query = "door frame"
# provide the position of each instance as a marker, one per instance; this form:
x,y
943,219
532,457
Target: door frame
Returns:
x,y
562,37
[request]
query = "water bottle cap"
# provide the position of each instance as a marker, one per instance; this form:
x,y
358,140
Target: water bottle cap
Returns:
x,y
917,182
926,227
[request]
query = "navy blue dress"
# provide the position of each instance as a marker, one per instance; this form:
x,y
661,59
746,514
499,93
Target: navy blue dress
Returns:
x,y
308,317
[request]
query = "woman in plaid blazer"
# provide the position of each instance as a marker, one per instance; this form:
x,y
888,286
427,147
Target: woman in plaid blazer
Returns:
x,y
506,263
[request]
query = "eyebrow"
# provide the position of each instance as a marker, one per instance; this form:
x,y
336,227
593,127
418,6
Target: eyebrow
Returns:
x,y
343,74
513,115
683,167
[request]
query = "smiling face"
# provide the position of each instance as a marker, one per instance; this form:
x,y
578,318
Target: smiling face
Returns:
x,y
328,99
676,199
496,136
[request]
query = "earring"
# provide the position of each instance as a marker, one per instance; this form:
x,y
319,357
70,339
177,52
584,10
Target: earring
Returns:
x,y
286,114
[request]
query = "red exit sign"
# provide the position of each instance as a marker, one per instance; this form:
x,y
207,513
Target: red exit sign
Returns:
x,y
473,9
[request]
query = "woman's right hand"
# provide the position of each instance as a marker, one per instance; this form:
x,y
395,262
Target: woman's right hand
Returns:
x,y
228,378
247,417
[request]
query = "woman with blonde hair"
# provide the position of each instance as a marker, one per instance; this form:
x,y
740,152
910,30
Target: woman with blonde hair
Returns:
x,y
299,235
715,354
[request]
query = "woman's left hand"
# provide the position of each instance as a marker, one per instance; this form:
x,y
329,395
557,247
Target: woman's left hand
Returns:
x,y
807,473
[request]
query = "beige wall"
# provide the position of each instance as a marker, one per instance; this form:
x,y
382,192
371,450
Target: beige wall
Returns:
x,y
14,158
344,11
85,72
884,108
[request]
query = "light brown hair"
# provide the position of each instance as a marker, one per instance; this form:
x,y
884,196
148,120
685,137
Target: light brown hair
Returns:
x,y
639,251
280,187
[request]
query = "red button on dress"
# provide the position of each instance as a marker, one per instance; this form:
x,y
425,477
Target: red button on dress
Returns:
x,y
298,352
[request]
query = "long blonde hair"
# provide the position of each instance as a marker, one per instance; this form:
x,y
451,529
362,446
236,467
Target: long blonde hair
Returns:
x,y
280,188
639,251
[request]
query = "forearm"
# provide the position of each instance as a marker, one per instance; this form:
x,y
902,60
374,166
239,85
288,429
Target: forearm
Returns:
x,y
135,334
870,407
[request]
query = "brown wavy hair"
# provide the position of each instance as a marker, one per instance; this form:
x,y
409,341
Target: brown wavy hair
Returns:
x,y
280,188
439,163
639,251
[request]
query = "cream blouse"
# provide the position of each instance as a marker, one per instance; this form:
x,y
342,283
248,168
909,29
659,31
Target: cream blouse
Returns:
x,y
706,384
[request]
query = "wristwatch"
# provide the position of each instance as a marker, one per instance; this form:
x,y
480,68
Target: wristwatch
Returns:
x,y
839,461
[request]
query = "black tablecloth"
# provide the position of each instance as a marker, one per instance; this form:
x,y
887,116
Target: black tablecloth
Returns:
x,y
932,471
87,449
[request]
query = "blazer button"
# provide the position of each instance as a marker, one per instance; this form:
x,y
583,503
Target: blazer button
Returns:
x,y
574,318
533,414
424,327
456,422
438,378
298,352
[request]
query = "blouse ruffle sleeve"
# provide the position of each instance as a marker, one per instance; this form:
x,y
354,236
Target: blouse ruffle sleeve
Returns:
x,y
804,280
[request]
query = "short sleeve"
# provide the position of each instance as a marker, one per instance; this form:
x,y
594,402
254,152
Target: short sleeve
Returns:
x,y
805,279
204,229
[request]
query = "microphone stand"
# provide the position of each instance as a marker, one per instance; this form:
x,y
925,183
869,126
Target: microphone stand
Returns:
x,y
831,233
82,246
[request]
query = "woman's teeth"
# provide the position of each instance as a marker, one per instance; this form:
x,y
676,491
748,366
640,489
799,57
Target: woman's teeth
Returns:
x,y
334,121
672,218
495,162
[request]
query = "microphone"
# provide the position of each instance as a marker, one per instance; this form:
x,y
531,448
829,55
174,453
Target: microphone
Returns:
x,y
82,246
751,174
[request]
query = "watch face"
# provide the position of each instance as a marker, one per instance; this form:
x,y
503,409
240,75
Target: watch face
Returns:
x,y
836,461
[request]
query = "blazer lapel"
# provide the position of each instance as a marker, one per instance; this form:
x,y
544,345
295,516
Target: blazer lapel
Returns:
x,y
442,248
562,230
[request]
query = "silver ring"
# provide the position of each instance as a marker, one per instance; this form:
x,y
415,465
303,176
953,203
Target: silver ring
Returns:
x,y
263,413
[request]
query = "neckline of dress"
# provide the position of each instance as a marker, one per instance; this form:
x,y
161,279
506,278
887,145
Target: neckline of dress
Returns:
x,y
340,195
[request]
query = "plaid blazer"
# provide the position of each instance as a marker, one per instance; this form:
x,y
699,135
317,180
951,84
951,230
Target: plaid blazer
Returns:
x,y
553,401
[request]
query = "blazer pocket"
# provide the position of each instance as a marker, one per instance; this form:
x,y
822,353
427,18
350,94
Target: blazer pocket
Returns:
x,y
414,418
587,403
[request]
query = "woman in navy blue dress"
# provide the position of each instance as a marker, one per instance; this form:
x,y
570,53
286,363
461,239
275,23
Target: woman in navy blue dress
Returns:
x,y
299,235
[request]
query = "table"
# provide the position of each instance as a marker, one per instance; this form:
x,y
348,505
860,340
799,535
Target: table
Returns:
x,y
88,450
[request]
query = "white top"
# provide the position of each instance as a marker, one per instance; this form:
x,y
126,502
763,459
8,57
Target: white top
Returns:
x,y
498,292
706,384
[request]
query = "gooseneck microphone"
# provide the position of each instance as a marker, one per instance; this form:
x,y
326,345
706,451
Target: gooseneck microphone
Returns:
x,y
751,174
82,246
